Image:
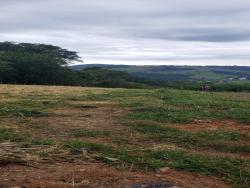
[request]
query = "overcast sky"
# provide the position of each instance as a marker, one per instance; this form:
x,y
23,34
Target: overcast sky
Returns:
x,y
193,32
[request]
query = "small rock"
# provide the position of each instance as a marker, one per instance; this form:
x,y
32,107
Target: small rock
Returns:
x,y
160,185
84,151
107,159
111,159
164,169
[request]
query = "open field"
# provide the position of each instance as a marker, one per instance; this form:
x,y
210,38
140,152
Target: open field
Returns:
x,y
91,137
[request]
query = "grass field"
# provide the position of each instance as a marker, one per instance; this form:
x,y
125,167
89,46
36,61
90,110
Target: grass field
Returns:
x,y
92,137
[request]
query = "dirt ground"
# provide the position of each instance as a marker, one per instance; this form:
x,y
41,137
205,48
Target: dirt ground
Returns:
x,y
202,125
57,172
94,174
59,169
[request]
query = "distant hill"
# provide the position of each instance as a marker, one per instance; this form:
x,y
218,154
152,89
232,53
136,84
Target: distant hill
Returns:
x,y
180,73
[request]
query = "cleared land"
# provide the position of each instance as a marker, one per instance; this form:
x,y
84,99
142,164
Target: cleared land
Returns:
x,y
89,137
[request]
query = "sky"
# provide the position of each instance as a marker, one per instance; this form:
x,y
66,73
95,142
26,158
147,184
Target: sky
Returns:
x,y
135,32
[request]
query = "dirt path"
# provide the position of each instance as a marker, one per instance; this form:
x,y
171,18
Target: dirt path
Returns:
x,y
94,174
201,125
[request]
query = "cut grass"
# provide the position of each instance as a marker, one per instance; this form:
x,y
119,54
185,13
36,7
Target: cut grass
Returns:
x,y
206,139
170,133
12,135
46,142
228,147
26,108
231,170
90,133
21,111
76,146
174,106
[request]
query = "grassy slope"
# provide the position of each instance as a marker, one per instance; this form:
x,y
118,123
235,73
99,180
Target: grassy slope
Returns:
x,y
148,121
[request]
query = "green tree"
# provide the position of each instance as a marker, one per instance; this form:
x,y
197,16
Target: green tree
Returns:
x,y
26,63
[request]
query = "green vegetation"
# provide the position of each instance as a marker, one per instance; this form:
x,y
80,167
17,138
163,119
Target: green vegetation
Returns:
x,y
212,78
200,139
232,170
7,134
179,73
100,77
26,108
79,146
42,142
90,133
25,63
104,77
12,135
175,135
176,106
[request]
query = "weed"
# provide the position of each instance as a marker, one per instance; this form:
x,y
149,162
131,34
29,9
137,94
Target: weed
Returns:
x,y
12,135
232,170
196,139
90,133
41,141
78,146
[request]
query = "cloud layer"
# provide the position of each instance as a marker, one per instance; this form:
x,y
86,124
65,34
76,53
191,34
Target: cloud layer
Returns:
x,y
196,32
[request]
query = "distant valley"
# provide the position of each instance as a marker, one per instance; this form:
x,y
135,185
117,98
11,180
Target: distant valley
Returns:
x,y
180,73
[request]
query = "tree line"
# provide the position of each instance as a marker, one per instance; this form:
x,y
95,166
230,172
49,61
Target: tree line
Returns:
x,y
25,63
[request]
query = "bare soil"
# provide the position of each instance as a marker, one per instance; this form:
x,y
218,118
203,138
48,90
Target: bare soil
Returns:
x,y
93,174
207,125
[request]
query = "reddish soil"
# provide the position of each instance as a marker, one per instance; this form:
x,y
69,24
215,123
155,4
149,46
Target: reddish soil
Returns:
x,y
94,175
214,126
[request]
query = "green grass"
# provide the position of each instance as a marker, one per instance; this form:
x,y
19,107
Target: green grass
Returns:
x,y
229,147
207,139
169,133
7,134
13,110
37,141
231,170
176,106
77,146
90,133
12,135
26,108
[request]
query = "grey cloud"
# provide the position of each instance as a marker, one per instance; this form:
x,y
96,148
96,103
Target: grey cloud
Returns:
x,y
126,30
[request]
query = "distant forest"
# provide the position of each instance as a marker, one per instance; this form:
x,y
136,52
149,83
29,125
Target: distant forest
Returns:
x,y
25,63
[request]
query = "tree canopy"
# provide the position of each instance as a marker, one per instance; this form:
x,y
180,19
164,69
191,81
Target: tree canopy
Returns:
x,y
26,63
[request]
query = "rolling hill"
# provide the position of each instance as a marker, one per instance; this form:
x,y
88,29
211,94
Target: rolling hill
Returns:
x,y
180,73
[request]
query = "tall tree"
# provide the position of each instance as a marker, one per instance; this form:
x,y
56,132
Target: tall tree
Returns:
x,y
36,64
